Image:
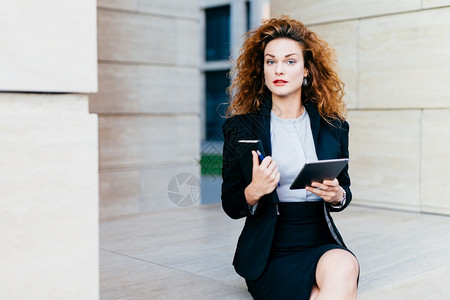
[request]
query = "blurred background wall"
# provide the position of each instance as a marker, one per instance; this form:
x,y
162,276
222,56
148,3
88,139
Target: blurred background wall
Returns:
x,y
148,101
394,59
48,150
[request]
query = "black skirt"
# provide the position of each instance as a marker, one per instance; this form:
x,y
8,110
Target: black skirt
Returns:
x,y
301,237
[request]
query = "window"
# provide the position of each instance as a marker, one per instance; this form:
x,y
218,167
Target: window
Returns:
x,y
217,43
247,10
217,83
217,33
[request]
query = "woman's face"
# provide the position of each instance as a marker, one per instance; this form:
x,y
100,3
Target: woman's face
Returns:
x,y
284,68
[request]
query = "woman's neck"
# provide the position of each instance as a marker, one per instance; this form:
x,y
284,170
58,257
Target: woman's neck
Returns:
x,y
287,108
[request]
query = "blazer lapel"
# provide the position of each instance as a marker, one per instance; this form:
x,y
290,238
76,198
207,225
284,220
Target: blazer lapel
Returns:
x,y
261,130
261,125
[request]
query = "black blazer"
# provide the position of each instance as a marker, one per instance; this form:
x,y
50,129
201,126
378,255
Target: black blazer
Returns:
x,y
253,248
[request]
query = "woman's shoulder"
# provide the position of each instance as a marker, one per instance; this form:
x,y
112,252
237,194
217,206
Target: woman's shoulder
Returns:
x,y
340,124
338,127
337,123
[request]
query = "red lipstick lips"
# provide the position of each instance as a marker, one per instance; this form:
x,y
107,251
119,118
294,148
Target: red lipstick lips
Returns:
x,y
280,82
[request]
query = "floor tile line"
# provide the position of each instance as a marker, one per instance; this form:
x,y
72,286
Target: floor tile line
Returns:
x,y
165,266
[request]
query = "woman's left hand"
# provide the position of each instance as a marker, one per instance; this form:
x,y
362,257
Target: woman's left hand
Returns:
x,y
328,190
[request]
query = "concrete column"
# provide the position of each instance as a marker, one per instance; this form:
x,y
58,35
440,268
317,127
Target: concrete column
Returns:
x,y
238,19
260,10
48,150
48,197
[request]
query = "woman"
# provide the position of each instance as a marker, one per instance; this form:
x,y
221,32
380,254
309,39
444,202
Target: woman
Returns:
x,y
287,95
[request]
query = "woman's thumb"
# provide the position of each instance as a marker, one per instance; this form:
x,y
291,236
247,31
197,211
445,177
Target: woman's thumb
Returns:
x,y
255,160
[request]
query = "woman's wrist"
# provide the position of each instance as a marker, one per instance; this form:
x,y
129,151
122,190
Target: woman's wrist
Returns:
x,y
251,195
342,200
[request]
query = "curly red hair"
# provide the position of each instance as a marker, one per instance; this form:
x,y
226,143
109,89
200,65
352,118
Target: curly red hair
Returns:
x,y
325,89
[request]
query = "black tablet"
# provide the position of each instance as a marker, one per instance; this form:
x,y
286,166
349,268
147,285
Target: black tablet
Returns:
x,y
318,171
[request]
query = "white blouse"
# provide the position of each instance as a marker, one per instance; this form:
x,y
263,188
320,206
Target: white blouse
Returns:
x,y
292,146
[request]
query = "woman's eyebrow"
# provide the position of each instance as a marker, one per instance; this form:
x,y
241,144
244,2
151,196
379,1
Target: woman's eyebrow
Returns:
x,y
268,54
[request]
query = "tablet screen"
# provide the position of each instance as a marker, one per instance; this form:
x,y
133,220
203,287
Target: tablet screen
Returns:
x,y
318,171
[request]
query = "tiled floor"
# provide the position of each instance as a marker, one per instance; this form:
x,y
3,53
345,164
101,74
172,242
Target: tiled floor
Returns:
x,y
187,253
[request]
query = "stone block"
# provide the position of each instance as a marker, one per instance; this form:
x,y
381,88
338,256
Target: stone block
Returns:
x,y
131,5
321,11
49,198
48,46
343,38
403,60
385,158
135,141
146,89
137,190
119,193
185,8
39,104
187,42
135,38
435,161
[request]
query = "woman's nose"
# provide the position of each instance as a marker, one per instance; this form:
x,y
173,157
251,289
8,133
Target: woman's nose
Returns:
x,y
279,69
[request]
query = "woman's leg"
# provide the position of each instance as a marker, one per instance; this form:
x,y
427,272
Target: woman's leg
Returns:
x,y
336,275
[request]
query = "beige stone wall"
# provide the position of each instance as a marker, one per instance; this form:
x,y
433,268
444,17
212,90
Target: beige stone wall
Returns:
x,y
148,101
48,153
393,57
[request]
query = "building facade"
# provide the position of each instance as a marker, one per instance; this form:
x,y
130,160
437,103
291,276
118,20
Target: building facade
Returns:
x,y
148,103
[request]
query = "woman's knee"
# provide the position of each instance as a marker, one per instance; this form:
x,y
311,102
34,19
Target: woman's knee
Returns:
x,y
348,263
341,263
314,292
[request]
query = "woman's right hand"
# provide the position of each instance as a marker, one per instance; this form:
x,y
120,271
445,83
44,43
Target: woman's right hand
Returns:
x,y
265,177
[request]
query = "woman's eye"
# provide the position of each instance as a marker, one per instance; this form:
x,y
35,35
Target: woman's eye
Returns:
x,y
290,62
270,62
